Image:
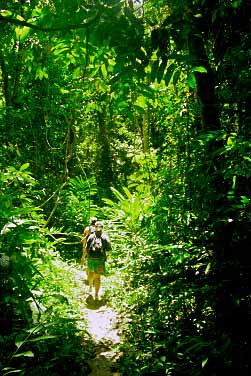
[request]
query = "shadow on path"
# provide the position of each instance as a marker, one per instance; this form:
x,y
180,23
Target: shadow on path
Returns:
x,y
104,329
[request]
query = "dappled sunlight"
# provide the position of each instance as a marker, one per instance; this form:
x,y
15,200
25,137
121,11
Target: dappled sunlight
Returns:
x,y
102,324
102,320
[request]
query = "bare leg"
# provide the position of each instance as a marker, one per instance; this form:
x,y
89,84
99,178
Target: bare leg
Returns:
x,y
91,276
97,283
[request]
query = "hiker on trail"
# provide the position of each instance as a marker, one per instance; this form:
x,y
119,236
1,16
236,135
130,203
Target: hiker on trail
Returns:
x,y
97,245
87,231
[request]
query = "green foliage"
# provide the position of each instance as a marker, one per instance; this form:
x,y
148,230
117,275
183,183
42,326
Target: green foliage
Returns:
x,y
130,209
92,85
78,203
160,312
34,292
57,331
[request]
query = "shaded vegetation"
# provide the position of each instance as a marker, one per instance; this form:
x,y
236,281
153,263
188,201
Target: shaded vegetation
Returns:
x,y
138,113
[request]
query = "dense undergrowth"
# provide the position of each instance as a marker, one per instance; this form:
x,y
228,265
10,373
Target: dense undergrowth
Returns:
x,y
167,299
54,336
174,296
165,293
42,328
170,327
160,111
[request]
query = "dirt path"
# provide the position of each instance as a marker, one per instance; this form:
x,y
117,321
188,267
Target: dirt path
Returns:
x,y
103,327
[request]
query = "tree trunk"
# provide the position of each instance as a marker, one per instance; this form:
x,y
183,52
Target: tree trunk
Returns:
x,y
104,172
205,84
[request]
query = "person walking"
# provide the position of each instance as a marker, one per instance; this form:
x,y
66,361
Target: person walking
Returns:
x,y
88,230
98,243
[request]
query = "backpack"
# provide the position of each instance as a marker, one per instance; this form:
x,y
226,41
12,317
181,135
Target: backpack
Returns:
x,y
96,247
88,231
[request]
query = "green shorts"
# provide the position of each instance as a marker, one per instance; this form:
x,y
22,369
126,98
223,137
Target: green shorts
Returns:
x,y
97,266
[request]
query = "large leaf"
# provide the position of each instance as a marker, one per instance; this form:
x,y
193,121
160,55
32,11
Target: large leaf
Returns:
x,y
161,71
169,73
199,69
191,80
154,70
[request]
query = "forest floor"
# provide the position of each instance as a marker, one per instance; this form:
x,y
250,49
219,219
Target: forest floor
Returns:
x,y
103,326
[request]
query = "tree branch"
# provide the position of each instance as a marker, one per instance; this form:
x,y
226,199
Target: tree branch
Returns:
x,y
84,25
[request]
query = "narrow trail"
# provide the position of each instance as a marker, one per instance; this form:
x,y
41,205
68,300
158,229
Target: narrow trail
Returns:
x,y
103,326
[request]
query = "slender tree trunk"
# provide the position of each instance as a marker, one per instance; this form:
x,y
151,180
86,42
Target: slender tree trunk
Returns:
x,y
145,132
4,80
104,159
205,83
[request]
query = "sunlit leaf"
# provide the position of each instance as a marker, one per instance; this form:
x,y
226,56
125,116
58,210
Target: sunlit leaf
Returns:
x,y
192,80
26,353
160,72
104,71
42,338
169,73
208,268
20,18
11,370
199,69
5,13
24,166
22,32
76,73
204,362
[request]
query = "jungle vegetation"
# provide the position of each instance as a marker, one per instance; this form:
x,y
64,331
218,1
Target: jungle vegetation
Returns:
x,y
137,112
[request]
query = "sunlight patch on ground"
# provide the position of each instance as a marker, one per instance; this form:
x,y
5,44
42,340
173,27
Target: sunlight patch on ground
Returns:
x,y
102,325
102,320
